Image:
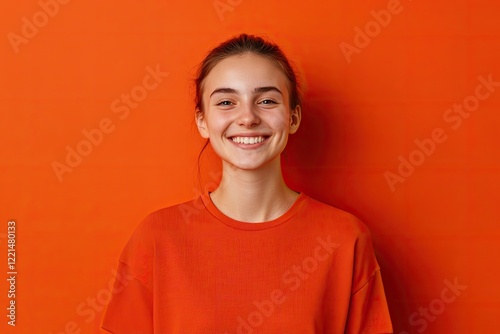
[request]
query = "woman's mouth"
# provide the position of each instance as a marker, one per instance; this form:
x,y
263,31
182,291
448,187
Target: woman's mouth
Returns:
x,y
249,142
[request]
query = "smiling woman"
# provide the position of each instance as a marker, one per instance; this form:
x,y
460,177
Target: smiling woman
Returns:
x,y
258,256
254,108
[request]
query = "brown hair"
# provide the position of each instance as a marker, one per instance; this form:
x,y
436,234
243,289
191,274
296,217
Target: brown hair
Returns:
x,y
247,44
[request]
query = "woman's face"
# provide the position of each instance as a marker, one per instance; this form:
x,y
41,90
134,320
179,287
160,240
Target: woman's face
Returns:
x,y
247,112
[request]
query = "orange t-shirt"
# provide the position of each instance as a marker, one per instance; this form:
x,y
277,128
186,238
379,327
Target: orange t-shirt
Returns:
x,y
189,269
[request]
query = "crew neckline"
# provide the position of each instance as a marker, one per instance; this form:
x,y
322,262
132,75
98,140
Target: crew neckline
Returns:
x,y
207,201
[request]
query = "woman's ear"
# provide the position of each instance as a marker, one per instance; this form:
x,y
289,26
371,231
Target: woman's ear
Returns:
x,y
200,123
295,117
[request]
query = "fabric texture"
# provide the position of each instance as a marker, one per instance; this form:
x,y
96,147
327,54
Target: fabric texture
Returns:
x,y
189,268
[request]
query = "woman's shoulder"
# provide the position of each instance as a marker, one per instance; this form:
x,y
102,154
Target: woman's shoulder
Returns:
x,y
330,215
146,233
349,232
171,214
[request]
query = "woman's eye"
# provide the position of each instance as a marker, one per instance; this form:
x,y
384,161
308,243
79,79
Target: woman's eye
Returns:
x,y
268,102
224,103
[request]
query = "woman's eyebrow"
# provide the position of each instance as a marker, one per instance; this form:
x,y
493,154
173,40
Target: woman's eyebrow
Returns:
x,y
266,89
224,90
257,90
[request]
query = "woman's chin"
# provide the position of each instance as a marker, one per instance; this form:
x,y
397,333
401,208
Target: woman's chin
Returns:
x,y
250,164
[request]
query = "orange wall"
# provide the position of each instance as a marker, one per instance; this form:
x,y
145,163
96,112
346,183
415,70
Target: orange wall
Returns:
x,y
369,100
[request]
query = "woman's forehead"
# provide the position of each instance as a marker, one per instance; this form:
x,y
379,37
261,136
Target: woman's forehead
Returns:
x,y
245,72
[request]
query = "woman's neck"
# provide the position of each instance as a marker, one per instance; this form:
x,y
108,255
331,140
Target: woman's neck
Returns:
x,y
253,195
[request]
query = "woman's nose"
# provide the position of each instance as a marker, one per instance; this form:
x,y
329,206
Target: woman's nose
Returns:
x,y
248,114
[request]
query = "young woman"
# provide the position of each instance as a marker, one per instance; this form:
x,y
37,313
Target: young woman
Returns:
x,y
252,255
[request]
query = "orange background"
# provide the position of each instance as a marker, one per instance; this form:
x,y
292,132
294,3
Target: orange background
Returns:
x,y
358,118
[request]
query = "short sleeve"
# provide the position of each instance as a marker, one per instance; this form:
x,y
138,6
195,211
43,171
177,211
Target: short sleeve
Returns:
x,y
130,310
368,309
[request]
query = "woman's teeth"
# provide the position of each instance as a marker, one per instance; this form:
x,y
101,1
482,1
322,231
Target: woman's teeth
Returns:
x,y
248,140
